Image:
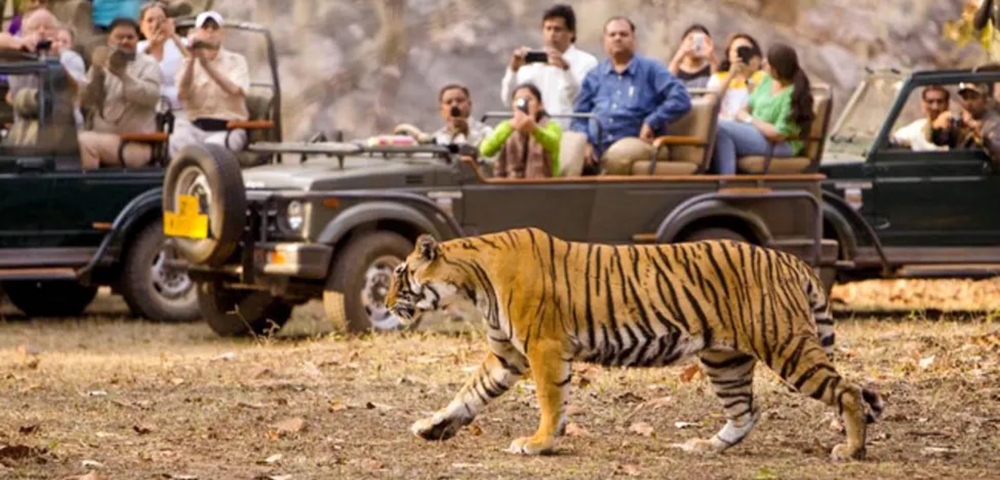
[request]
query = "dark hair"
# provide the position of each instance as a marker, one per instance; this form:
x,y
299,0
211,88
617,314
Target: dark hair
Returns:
x,y
534,91
453,86
124,21
620,17
564,12
725,65
696,28
785,63
935,88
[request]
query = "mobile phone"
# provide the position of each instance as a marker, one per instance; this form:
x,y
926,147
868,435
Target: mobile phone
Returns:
x,y
745,53
43,45
536,56
455,112
699,41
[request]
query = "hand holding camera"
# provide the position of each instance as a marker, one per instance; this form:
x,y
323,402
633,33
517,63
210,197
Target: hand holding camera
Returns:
x,y
458,124
523,121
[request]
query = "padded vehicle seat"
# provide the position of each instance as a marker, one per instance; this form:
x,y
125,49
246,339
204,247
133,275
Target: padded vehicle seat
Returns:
x,y
688,140
25,131
812,149
259,108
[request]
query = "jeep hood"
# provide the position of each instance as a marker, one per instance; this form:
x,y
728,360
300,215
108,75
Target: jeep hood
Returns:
x,y
357,173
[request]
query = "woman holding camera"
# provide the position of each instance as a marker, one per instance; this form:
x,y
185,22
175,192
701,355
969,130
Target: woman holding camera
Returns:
x,y
738,74
778,112
528,143
163,43
694,62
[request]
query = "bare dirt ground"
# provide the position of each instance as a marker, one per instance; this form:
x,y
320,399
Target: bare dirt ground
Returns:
x,y
107,397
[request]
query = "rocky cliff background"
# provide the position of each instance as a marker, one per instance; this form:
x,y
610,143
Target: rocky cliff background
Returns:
x,y
362,66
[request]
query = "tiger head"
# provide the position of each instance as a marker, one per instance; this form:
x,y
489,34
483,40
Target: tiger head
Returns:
x,y
426,282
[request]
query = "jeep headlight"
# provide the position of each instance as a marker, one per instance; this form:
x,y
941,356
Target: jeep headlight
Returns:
x,y
293,215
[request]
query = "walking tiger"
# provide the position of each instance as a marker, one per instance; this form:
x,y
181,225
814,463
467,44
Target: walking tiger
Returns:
x,y
548,302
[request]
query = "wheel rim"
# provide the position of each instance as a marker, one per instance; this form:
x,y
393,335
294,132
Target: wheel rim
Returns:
x,y
169,282
377,280
192,181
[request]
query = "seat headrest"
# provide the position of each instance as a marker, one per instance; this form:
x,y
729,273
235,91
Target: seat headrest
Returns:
x,y
26,103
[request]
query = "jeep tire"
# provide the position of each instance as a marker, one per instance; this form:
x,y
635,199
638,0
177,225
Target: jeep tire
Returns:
x,y
211,172
50,298
234,312
365,263
152,288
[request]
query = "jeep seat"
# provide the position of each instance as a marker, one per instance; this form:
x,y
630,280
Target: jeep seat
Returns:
x,y
688,141
25,130
812,147
572,146
258,127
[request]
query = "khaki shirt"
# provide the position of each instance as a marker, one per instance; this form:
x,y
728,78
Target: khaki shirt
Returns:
x,y
990,134
126,104
206,99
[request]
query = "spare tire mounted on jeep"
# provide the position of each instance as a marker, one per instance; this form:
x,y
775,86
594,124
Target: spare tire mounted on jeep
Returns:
x,y
212,174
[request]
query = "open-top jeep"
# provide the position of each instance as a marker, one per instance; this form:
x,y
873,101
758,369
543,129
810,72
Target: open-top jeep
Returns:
x,y
333,226
65,231
897,212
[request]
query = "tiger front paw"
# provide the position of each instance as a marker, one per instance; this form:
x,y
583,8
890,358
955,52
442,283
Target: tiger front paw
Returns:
x,y
531,446
699,445
437,427
844,452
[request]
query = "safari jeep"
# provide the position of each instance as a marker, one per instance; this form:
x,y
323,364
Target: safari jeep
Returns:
x,y
335,224
900,213
64,231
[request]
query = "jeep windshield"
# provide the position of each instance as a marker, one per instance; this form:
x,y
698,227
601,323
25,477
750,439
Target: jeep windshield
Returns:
x,y
859,124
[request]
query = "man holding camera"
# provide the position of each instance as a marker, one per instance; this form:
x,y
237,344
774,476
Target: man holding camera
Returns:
x,y
937,130
557,70
980,118
212,86
460,128
120,94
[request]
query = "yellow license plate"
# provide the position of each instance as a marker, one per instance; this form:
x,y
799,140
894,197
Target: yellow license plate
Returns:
x,y
187,222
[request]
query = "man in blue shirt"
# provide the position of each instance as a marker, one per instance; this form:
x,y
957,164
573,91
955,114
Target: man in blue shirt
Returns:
x,y
632,95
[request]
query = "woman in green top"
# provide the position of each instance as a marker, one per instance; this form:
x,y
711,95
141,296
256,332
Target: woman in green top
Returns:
x,y
528,143
780,109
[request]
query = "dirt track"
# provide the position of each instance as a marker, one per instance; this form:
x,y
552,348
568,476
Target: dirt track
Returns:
x,y
162,401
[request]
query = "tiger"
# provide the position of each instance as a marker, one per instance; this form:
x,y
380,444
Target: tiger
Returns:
x,y
547,302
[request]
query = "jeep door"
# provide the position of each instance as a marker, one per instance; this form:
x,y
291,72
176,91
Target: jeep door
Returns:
x,y
24,190
928,198
561,208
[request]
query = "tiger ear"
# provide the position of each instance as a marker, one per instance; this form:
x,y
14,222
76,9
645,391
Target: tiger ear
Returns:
x,y
428,247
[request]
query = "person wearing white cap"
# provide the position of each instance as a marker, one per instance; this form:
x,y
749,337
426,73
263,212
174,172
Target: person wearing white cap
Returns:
x,y
211,85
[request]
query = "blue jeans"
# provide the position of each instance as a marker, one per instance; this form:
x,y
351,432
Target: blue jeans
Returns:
x,y
736,139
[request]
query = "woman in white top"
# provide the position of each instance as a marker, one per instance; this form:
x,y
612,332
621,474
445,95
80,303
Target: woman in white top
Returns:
x,y
163,44
737,76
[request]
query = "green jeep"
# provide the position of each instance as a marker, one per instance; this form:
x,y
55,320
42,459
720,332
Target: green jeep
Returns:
x,y
334,225
900,213
64,231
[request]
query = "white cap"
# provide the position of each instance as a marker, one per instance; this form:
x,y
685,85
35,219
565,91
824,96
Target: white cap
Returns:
x,y
204,16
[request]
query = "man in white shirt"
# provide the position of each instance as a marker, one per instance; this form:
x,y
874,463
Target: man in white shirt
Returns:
x,y
920,134
560,75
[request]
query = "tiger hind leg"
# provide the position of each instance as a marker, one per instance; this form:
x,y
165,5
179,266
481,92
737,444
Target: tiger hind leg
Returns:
x,y
493,377
805,366
731,375
552,375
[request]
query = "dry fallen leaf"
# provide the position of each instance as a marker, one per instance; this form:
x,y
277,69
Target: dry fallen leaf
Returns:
x,y
475,429
336,406
691,372
143,428
926,362
289,425
642,428
272,459
575,430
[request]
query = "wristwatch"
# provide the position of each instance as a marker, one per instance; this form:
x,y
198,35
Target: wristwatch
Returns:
x,y
748,119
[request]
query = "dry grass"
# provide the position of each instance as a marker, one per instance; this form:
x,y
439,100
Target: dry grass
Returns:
x,y
162,401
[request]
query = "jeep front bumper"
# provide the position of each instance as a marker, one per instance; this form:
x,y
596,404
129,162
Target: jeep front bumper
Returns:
x,y
299,260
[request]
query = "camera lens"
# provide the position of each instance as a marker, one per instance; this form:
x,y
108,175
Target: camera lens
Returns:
x,y
455,111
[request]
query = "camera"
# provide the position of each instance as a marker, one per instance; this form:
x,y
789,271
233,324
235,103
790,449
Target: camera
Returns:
x,y
745,53
455,112
43,45
522,104
536,56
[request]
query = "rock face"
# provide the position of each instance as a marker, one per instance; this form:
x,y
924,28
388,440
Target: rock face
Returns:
x,y
364,66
